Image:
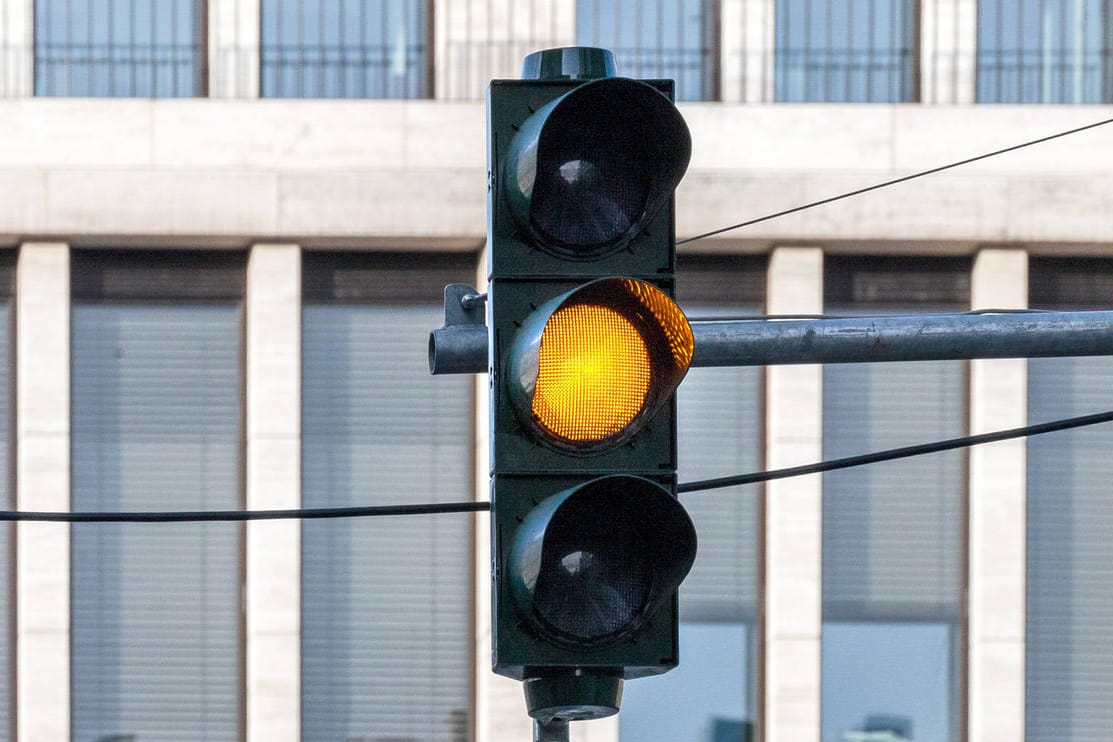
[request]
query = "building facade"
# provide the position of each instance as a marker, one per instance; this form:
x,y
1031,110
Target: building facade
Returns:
x,y
225,227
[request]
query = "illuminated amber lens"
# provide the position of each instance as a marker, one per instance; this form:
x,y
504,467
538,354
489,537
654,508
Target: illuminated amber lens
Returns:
x,y
672,321
593,374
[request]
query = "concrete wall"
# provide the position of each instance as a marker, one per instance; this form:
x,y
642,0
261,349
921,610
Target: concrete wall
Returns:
x,y
412,173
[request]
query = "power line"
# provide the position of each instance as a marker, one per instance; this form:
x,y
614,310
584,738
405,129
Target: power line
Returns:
x,y
478,506
197,516
901,179
898,453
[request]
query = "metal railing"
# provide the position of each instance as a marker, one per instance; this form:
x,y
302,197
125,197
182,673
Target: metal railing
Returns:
x,y
127,70
343,71
845,75
142,48
1052,76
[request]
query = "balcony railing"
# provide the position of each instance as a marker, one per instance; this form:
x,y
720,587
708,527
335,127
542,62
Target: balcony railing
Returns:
x,y
126,70
845,75
341,71
1033,76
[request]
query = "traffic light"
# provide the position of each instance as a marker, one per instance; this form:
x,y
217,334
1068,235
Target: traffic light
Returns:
x,y
587,347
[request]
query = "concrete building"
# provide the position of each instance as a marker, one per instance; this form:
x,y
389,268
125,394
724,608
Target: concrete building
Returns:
x,y
225,226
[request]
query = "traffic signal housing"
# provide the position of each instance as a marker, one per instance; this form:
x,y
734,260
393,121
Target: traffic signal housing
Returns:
x,y
589,542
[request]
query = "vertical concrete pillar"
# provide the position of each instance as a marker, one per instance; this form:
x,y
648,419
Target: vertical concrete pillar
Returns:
x,y
17,49
793,515
479,40
234,48
746,42
948,50
42,573
997,528
273,548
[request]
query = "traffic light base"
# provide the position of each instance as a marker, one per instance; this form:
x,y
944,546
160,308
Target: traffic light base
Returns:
x,y
572,696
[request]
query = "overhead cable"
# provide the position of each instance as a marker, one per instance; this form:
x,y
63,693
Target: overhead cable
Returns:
x,y
480,506
894,181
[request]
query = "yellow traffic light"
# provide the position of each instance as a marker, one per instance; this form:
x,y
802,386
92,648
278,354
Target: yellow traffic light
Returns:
x,y
588,540
591,369
593,374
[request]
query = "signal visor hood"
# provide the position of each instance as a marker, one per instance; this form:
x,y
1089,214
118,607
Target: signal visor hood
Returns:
x,y
587,172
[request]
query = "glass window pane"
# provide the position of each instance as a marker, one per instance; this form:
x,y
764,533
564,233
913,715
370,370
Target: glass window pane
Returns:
x,y
344,49
705,699
857,51
156,607
668,39
386,605
136,48
888,682
1044,51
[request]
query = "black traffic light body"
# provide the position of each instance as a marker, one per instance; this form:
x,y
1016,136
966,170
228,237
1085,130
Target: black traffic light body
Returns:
x,y
588,540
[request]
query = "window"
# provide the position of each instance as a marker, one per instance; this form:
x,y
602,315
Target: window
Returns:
x,y
1045,51
156,426
856,51
672,39
345,48
893,532
137,48
1069,669
386,602
710,696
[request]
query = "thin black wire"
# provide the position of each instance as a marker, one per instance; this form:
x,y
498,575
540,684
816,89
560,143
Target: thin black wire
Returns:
x,y
242,515
887,183
476,507
898,453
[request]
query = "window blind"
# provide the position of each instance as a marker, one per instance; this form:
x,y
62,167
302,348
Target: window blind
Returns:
x,y
156,608
719,424
893,532
1069,673
386,602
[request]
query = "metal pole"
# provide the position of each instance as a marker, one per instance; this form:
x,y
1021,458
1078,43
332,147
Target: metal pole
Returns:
x,y
858,340
555,730
916,338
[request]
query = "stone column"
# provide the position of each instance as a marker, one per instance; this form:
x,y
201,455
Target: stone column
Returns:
x,y
746,42
234,48
17,49
948,50
997,528
42,553
793,515
273,481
